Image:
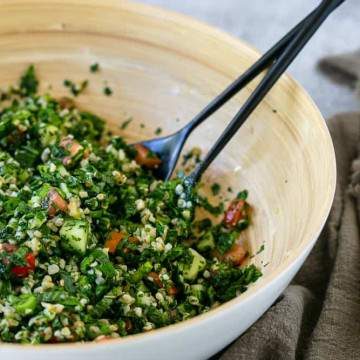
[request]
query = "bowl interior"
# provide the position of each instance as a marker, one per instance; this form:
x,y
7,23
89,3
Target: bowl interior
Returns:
x,y
163,69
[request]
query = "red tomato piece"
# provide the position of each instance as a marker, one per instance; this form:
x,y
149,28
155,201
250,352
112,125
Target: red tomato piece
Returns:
x,y
70,145
9,248
144,158
31,261
56,202
173,291
235,255
156,279
235,213
113,241
23,271
20,271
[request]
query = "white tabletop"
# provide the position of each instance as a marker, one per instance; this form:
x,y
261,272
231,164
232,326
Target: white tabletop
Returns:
x,y
263,22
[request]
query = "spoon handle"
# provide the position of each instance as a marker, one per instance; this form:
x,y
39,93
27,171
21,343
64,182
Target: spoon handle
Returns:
x,y
277,69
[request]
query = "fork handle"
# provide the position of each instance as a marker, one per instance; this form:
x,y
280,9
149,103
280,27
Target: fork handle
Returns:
x,y
277,69
258,67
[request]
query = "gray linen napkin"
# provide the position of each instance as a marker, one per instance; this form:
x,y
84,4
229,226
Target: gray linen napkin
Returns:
x,y
318,316
342,68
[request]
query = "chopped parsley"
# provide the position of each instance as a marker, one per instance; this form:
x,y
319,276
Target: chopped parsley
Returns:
x,y
92,245
242,195
225,240
262,248
126,123
76,89
94,67
192,157
158,131
107,91
215,210
28,82
215,189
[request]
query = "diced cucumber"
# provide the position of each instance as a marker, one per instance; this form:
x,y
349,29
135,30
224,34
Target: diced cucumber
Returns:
x,y
198,264
207,242
75,235
23,175
49,135
198,290
25,304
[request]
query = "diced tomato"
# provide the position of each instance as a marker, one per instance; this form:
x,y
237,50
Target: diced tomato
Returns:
x,y
235,212
173,291
56,203
71,145
66,160
113,241
156,279
9,248
145,158
235,255
31,261
20,271
23,271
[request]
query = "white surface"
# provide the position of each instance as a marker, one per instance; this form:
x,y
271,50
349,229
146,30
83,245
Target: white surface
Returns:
x,y
263,22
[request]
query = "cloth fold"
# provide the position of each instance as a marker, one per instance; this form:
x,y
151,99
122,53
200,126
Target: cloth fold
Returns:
x,y
318,316
342,68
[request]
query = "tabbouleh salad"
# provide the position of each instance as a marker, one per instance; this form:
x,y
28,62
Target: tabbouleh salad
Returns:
x,y
92,245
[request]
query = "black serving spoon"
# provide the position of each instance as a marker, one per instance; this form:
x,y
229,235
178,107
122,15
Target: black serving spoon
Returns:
x,y
278,58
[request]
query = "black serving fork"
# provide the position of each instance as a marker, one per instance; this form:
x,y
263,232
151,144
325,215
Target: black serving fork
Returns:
x,y
276,60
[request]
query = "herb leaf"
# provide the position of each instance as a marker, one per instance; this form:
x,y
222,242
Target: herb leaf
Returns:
x,y
28,82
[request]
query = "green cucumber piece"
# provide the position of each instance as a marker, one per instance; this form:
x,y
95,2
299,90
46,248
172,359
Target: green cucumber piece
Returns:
x,y
75,235
25,304
198,263
199,291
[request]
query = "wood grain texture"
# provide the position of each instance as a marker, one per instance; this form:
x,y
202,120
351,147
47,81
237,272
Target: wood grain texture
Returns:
x,y
163,66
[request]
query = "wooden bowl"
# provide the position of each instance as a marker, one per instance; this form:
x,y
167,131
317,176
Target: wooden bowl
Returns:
x,y
162,67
